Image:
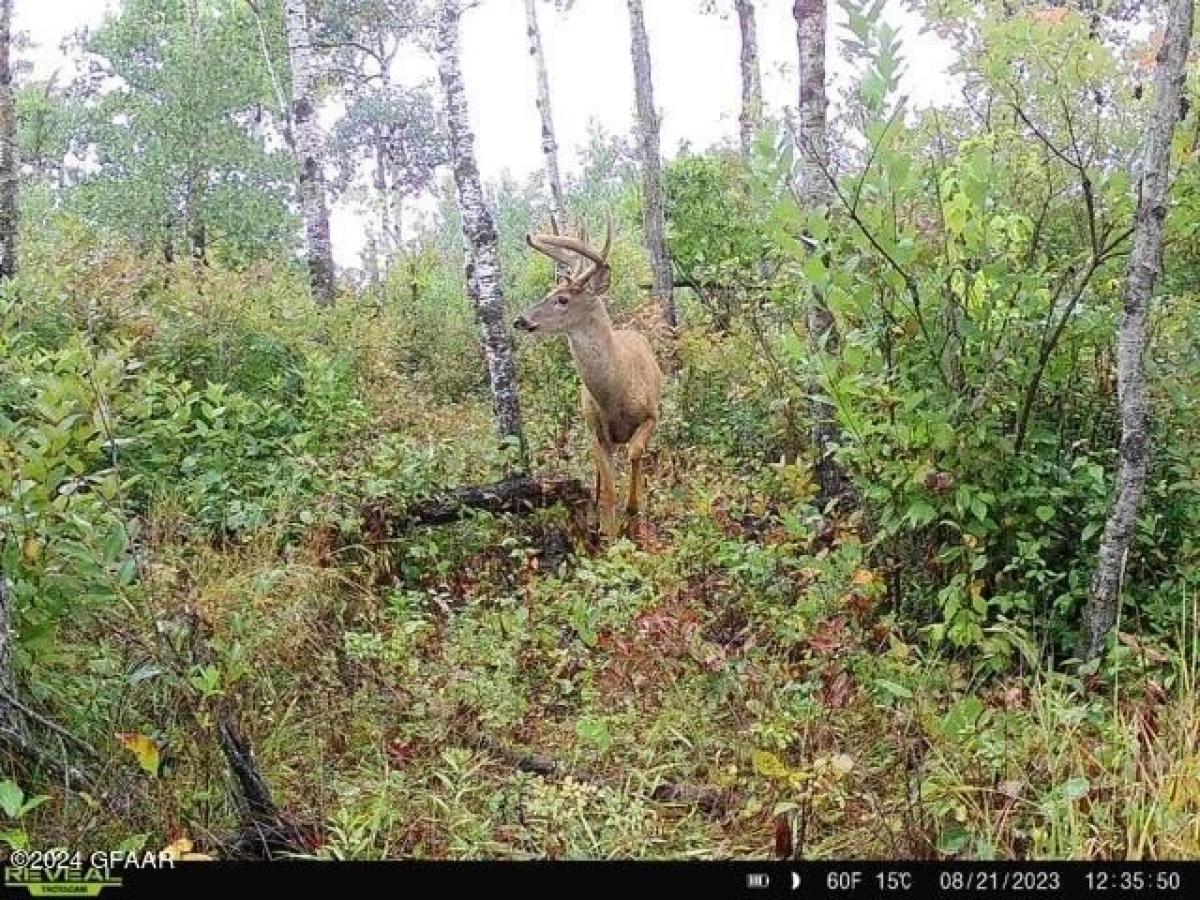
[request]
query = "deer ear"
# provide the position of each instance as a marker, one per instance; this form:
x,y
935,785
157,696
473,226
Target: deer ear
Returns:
x,y
600,282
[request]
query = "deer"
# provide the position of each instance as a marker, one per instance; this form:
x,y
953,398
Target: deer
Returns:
x,y
621,380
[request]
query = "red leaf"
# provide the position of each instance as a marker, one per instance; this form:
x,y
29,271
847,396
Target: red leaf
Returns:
x,y
836,693
784,846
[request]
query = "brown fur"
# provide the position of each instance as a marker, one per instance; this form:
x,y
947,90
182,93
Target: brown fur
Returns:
x,y
622,383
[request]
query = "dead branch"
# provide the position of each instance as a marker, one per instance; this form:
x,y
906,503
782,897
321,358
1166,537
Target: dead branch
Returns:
x,y
16,741
513,495
264,829
709,800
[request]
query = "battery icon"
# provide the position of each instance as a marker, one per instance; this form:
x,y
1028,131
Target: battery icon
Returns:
x,y
758,880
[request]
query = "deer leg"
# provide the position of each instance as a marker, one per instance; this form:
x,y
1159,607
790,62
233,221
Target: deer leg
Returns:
x,y
637,448
606,499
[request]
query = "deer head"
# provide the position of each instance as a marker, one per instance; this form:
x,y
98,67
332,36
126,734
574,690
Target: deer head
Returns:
x,y
572,301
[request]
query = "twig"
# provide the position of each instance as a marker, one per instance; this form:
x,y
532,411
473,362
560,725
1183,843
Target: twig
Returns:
x,y
51,725
20,743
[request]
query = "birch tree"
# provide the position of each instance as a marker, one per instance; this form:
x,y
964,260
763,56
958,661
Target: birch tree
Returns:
x,y
390,126
815,194
309,153
8,148
1145,265
654,222
8,268
751,115
479,229
549,143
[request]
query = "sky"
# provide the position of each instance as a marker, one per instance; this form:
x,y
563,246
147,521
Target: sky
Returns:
x,y
694,60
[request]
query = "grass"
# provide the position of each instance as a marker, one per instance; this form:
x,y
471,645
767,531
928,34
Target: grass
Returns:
x,y
736,643
704,653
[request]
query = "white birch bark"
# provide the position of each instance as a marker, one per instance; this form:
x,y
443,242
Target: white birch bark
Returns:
x,y
382,193
654,222
815,194
549,143
309,148
1145,264
750,118
479,230
8,148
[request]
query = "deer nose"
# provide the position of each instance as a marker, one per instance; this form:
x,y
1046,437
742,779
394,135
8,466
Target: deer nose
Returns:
x,y
523,324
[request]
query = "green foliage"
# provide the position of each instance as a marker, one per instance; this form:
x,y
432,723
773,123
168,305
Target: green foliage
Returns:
x,y
973,382
66,539
205,481
177,167
15,807
714,231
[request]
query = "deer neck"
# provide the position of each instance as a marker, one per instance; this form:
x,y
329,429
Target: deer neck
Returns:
x,y
594,349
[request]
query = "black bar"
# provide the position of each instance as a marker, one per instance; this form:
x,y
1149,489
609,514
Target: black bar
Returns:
x,y
152,878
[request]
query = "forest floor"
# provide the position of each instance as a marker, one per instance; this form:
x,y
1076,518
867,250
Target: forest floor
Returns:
x,y
727,683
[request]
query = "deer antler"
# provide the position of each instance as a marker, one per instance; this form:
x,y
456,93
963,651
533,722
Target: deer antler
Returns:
x,y
542,244
578,246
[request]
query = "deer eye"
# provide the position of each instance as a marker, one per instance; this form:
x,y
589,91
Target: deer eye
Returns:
x,y
561,299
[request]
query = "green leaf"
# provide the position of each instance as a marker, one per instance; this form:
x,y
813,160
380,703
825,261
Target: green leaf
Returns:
x,y
16,838
127,572
31,804
952,840
1045,513
12,798
1076,789
896,690
921,512
134,843
595,732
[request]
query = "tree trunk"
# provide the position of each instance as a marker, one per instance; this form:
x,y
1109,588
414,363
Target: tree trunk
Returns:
x,y
383,196
309,154
750,118
1145,263
648,142
558,212
815,193
370,260
479,230
194,178
8,148
193,221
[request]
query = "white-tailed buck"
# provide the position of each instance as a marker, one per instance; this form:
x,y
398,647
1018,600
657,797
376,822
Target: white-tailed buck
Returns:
x,y
622,383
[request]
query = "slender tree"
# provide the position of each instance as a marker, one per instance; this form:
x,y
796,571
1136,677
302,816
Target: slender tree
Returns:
x,y
308,143
654,222
479,229
815,193
751,116
1145,265
8,148
390,126
193,218
549,143
8,267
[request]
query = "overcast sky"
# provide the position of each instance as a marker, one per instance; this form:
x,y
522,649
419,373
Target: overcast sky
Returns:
x,y
695,71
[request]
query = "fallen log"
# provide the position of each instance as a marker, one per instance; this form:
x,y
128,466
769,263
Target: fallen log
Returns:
x,y
515,495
